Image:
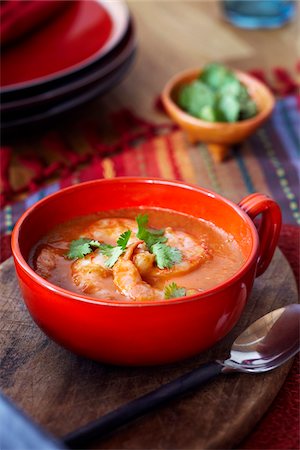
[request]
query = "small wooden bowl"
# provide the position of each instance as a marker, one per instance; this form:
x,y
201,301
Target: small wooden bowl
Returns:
x,y
219,136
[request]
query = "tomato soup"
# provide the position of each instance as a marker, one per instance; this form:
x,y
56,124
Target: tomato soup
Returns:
x,y
137,254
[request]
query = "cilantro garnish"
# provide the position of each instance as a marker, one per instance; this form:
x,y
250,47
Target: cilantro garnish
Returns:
x,y
148,235
217,96
228,108
196,96
165,255
114,252
81,247
123,239
174,291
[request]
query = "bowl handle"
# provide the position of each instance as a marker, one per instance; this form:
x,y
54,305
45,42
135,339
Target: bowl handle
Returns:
x,y
268,228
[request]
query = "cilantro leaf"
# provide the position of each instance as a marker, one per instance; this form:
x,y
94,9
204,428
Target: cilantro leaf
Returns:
x,y
243,94
174,291
248,109
81,247
217,95
152,240
95,243
166,256
208,113
195,96
114,252
214,75
123,239
147,235
232,87
142,221
106,249
228,108
156,231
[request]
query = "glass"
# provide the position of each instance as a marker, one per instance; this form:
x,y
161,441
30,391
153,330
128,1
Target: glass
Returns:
x,y
258,13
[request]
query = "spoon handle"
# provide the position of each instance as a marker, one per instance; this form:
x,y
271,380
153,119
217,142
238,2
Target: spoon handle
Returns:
x,y
136,408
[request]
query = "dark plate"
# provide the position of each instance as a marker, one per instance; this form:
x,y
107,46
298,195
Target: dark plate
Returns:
x,y
77,83
77,38
43,114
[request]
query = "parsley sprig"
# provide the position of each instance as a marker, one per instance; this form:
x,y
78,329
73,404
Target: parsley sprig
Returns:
x,y
166,256
83,246
174,291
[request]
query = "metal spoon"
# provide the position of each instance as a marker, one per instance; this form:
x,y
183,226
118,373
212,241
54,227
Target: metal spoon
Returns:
x,y
266,344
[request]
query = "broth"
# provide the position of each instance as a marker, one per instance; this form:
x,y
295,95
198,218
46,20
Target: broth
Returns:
x,y
221,255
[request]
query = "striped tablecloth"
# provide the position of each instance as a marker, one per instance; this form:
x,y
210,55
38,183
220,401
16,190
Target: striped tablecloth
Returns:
x,y
267,162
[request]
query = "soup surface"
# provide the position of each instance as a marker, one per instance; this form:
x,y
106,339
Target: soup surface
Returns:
x,y
137,254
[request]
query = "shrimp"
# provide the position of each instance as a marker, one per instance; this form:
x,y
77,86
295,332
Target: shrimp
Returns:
x,y
143,260
46,260
193,253
135,273
88,274
109,230
128,279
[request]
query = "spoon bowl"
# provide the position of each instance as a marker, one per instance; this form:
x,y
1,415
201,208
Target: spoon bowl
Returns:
x,y
267,343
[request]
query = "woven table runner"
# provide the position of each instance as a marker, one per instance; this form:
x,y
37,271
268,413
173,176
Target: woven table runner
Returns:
x,y
267,162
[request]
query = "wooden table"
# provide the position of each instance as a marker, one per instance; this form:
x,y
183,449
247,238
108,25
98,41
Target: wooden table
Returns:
x,y
175,35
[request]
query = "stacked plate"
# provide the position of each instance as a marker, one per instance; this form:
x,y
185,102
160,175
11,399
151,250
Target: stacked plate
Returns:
x,y
82,53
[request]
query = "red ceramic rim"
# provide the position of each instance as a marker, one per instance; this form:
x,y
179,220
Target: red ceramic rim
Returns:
x,y
175,80
129,303
119,15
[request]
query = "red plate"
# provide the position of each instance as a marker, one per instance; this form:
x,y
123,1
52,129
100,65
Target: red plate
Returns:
x,y
82,34
76,82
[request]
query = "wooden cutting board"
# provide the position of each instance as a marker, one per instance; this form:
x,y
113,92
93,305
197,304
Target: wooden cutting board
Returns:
x,y
62,391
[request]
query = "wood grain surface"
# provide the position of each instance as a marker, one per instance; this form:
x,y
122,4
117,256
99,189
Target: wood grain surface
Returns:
x,y
62,391
175,35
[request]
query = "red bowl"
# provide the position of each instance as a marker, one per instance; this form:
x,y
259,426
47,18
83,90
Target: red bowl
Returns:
x,y
135,333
